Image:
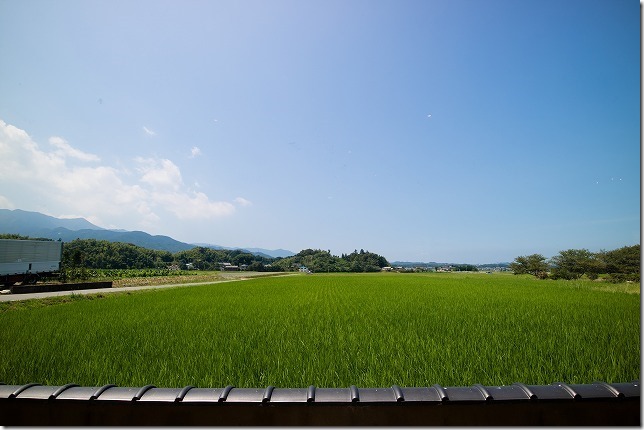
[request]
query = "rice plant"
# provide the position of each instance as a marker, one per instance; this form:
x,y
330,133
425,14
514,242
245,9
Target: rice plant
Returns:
x,y
335,330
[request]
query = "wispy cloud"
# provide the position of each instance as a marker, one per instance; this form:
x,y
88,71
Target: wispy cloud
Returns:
x,y
6,203
243,202
64,149
195,151
148,131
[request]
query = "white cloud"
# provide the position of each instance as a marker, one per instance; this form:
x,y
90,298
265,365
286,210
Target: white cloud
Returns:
x,y
57,180
5,203
64,149
160,174
195,205
148,131
194,152
243,202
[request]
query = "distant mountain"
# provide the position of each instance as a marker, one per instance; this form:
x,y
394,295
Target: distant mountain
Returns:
x,y
139,238
270,253
434,264
12,221
35,224
494,265
416,264
275,253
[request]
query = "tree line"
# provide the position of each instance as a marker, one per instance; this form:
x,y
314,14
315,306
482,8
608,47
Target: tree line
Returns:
x,y
619,265
102,254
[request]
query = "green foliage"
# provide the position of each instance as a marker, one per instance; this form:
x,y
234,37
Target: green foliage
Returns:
x,y
83,254
372,330
101,254
210,259
574,263
365,261
465,268
21,237
621,264
82,257
315,260
320,261
534,264
84,274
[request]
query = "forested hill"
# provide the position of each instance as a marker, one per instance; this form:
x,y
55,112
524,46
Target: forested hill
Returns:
x,y
317,260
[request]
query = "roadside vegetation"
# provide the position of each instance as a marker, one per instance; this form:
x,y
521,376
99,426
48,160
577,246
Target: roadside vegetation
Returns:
x,y
331,330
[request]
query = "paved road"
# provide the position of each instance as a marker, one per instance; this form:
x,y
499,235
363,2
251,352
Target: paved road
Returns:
x,y
14,297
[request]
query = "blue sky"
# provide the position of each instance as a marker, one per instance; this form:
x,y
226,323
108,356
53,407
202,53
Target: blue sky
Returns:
x,y
306,124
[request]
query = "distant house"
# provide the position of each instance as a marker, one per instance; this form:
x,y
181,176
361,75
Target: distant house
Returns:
x,y
387,269
304,269
227,267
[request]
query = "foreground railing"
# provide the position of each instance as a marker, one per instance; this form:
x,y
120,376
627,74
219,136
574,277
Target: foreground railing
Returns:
x,y
598,403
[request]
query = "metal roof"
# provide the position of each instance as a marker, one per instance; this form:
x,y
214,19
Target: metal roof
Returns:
x,y
517,404
312,394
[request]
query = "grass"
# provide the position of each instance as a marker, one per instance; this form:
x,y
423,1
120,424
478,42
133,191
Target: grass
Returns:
x,y
331,331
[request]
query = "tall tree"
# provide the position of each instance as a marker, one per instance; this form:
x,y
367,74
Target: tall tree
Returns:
x,y
574,263
534,264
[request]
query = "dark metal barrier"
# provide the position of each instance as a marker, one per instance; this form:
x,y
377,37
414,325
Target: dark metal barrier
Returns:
x,y
48,288
598,403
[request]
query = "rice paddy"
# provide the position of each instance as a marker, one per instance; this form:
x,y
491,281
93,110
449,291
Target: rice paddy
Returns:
x,y
371,330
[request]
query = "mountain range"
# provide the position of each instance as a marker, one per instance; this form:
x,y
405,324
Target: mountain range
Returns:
x,y
36,224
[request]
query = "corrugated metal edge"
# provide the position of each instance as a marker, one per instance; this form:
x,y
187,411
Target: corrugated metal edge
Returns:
x,y
442,394
568,389
183,393
526,390
60,390
484,392
355,395
610,388
13,392
141,392
267,394
100,391
17,392
310,394
398,394
224,394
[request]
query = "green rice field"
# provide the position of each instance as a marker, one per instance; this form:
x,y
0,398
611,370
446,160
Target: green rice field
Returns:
x,y
371,330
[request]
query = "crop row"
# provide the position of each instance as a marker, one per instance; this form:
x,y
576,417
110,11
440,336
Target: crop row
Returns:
x,y
332,331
